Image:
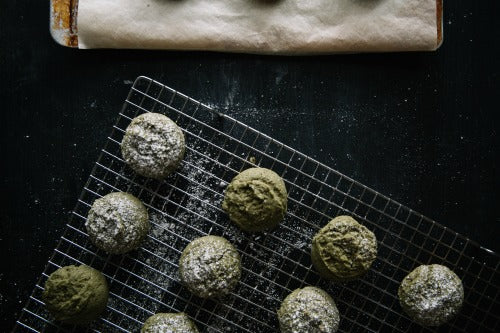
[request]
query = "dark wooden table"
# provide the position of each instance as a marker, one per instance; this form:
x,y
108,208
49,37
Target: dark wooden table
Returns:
x,y
419,127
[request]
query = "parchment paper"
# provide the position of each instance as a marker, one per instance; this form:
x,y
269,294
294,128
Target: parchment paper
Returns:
x,y
259,26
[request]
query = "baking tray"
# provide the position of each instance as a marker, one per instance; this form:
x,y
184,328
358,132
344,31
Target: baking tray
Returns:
x,y
64,15
187,205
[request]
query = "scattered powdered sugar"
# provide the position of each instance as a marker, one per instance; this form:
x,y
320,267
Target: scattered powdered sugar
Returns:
x,y
219,325
196,199
234,235
159,270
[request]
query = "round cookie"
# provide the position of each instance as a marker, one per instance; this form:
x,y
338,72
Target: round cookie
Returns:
x,y
169,323
308,310
256,199
343,249
210,266
431,294
76,294
117,223
153,145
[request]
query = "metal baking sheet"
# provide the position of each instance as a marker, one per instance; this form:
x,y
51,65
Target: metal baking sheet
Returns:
x,y
64,16
187,205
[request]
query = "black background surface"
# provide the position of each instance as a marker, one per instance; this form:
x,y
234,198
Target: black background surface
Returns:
x,y
418,127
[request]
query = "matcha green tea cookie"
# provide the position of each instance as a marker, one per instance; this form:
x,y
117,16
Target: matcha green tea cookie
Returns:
x,y
256,199
210,266
308,310
169,323
153,145
431,294
343,249
75,294
117,223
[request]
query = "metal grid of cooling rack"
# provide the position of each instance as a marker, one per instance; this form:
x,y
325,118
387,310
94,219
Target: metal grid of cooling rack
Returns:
x,y
187,205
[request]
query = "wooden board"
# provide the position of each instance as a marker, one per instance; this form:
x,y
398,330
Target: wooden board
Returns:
x,y
64,15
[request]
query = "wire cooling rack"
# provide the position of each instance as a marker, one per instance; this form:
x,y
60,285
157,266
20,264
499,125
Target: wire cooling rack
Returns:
x,y
187,205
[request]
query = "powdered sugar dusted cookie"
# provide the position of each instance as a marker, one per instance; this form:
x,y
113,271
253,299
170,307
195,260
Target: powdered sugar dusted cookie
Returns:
x,y
117,223
153,145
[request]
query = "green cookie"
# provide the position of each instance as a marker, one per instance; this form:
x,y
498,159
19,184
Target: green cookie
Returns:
x,y
308,310
256,199
76,294
343,249
117,223
431,294
169,322
210,266
153,145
